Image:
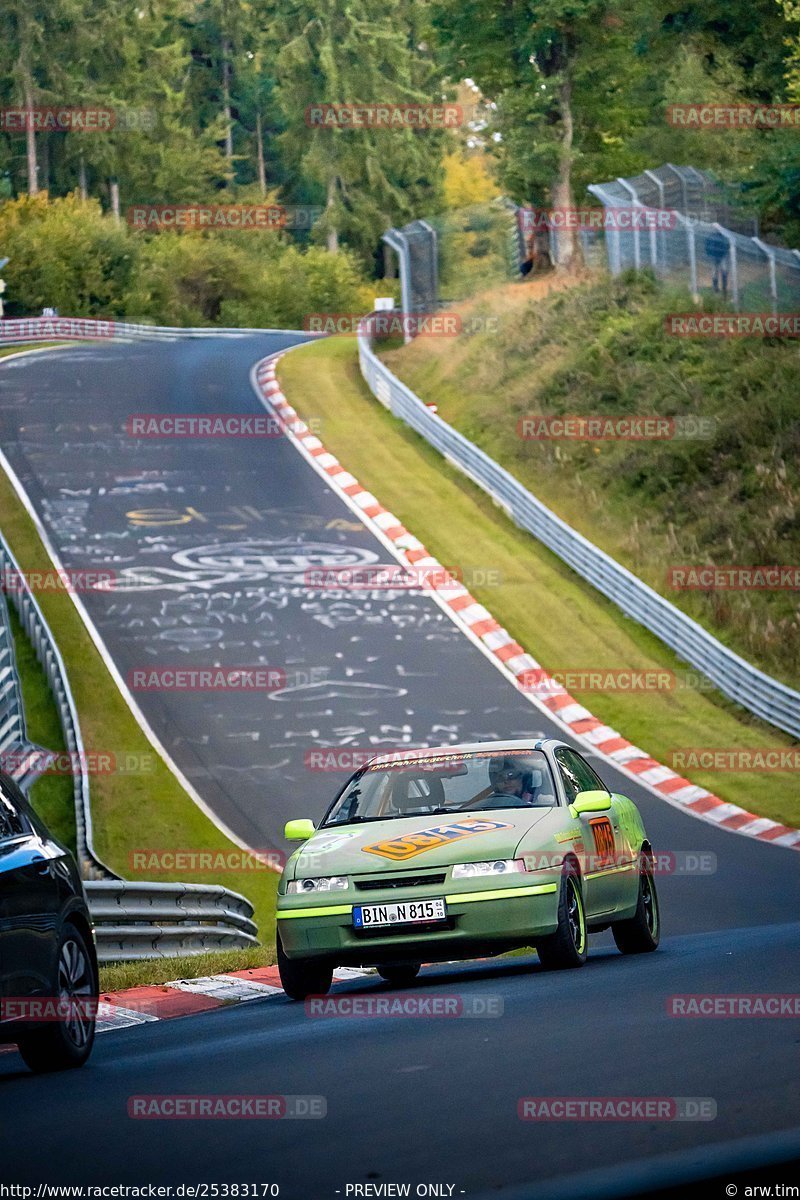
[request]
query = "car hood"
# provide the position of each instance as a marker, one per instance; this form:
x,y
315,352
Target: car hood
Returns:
x,y
415,843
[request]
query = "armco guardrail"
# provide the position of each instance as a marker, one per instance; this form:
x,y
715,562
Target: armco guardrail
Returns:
x,y
160,920
15,749
739,680
20,595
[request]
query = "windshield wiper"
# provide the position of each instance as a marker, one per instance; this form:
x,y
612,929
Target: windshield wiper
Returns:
x,y
350,821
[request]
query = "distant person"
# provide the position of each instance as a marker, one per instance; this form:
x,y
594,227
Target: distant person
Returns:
x,y
718,251
537,249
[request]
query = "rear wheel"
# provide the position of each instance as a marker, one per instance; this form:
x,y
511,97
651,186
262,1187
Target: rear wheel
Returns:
x,y
567,946
302,977
641,933
399,974
67,1042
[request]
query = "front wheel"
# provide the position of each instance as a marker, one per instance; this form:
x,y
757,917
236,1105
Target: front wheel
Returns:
x,y
641,933
67,1042
303,977
567,946
399,974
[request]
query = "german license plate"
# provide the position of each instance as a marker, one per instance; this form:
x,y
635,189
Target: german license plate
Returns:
x,y
405,912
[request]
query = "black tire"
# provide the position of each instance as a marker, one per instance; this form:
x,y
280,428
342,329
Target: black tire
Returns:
x,y
67,1043
399,974
567,946
303,977
641,933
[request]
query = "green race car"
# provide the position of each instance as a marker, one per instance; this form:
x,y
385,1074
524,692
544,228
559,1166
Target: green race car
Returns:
x,y
459,852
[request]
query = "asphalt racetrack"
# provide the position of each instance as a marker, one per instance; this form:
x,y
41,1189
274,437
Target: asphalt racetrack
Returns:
x,y
210,540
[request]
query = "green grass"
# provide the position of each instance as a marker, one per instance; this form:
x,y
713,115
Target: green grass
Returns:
x,y
600,348
558,618
134,811
5,351
51,795
117,976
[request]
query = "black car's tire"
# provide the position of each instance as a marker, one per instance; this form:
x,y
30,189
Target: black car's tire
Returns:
x,y
63,1044
567,946
303,977
399,974
641,933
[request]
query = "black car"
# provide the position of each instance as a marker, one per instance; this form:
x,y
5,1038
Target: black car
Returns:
x,y
48,961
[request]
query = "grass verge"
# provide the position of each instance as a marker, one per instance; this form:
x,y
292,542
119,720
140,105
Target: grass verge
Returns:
x,y
5,351
116,976
560,619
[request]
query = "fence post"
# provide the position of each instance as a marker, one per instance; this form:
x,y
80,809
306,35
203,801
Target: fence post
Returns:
x,y
682,181
398,243
692,248
661,202
729,238
637,254
434,260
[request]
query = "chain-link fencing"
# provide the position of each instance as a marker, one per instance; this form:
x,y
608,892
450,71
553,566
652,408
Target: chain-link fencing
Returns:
x,y
686,227
454,255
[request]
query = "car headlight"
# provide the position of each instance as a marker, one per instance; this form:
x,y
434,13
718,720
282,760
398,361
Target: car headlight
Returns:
x,y
500,866
326,883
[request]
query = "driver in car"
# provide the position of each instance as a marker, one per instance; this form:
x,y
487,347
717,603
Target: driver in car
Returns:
x,y
509,778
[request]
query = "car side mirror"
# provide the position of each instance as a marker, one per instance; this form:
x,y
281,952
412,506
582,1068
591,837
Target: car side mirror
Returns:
x,y
589,802
299,830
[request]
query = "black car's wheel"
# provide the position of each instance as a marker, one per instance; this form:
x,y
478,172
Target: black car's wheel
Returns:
x,y
567,946
302,977
67,1042
641,933
399,974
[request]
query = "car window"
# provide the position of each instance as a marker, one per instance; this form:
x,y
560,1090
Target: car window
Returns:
x,y
577,775
12,823
416,783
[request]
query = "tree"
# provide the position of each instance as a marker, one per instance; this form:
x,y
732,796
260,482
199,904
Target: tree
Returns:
x,y
159,150
364,53
28,31
564,76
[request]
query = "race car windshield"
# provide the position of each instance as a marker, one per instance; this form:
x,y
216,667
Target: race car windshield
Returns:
x,y
472,782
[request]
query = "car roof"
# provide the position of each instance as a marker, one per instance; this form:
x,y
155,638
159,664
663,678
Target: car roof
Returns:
x,y
496,747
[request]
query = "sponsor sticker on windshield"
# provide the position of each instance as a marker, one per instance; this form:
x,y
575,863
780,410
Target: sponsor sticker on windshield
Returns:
x,y
411,844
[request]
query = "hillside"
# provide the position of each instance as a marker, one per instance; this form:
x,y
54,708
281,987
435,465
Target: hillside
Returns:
x,y
727,497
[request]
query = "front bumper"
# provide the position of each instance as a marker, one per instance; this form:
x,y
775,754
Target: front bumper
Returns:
x,y
488,917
